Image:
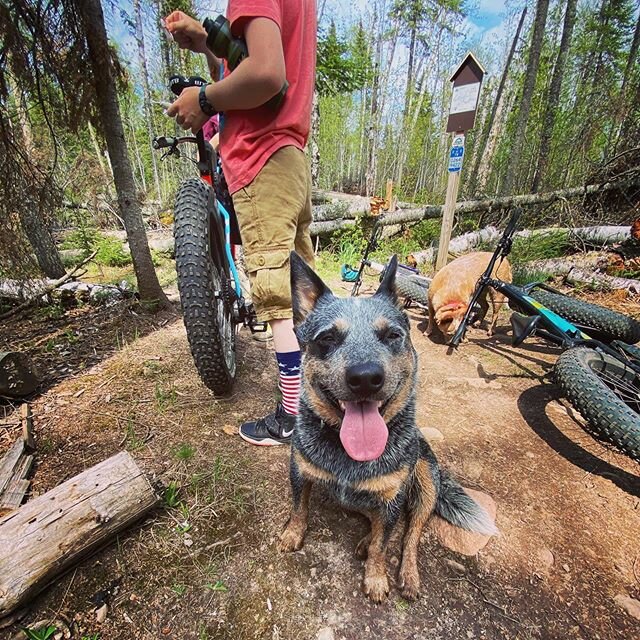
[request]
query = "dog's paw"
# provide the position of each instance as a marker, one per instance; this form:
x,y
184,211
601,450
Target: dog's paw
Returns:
x,y
409,583
291,539
376,587
362,549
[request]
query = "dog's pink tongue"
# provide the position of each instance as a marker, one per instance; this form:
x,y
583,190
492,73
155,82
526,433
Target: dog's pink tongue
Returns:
x,y
363,432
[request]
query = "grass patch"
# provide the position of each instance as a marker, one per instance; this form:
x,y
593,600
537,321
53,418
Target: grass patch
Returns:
x,y
43,633
170,497
165,398
523,276
185,452
540,246
132,441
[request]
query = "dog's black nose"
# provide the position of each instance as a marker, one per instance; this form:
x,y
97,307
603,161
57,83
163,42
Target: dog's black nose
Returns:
x,y
365,379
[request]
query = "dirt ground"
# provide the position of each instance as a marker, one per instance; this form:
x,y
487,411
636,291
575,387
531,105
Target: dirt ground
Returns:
x,y
568,506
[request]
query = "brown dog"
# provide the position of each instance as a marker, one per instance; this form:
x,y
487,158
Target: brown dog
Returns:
x,y
453,286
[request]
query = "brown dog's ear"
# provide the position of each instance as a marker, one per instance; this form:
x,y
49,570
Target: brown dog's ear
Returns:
x,y
306,288
388,285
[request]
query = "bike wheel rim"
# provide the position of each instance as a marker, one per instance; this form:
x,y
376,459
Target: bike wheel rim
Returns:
x,y
225,324
619,379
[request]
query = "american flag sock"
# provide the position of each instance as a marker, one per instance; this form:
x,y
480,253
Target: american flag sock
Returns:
x,y
289,382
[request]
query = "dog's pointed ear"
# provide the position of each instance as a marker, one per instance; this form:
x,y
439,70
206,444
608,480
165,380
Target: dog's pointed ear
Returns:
x,y
306,288
388,285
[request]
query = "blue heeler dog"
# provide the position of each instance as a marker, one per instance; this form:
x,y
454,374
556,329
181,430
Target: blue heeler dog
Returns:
x,y
356,433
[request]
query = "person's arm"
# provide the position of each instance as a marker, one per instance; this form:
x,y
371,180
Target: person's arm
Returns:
x,y
190,34
253,82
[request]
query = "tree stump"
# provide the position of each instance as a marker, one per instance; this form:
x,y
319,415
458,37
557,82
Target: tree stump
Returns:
x,y
18,377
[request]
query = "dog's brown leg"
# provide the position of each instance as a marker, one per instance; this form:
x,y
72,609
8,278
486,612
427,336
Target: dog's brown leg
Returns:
x,y
292,537
376,583
432,320
409,577
497,300
362,548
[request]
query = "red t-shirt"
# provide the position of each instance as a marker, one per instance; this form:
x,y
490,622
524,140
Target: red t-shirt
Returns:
x,y
249,138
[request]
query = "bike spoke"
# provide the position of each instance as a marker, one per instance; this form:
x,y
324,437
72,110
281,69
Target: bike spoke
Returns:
x,y
629,394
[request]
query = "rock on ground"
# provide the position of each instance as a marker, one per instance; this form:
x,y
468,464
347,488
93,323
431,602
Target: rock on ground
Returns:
x,y
459,540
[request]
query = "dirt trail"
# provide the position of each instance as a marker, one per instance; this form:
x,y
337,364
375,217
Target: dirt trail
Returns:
x,y
568,507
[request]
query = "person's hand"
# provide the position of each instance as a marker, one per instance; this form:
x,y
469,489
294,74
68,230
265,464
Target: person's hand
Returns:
x,y
186,31
186,110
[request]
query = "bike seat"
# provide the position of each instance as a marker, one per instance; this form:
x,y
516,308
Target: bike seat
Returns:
x,y
178,83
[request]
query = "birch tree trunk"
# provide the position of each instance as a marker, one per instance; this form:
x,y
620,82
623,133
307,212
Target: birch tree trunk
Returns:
x,y
142,61
533,63
109,110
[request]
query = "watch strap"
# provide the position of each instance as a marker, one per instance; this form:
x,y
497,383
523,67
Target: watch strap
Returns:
x,y
205,106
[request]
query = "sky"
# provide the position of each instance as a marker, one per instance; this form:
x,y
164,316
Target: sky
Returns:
x,y
485,26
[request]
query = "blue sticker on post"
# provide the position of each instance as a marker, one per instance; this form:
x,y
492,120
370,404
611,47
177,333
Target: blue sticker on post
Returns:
x,y
456,154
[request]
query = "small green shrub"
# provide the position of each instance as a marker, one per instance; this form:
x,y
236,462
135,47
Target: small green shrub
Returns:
x,y
541,246
185,452
523,276
425,232
111,253
43,633
171,498
84,238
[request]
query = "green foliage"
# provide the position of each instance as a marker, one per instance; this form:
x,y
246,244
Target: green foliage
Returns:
x,y
425,233
185,452
171,498
83,237
523,276
348,244
111,253
218,586
341,68
43,633
540,246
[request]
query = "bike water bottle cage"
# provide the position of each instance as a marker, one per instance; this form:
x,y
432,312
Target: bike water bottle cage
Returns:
x,y
178,83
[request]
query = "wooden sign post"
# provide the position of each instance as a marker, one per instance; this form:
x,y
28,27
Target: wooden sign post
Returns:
x,y
467,81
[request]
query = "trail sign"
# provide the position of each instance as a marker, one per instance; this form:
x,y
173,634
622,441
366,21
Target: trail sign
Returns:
x,y
456,154
467,81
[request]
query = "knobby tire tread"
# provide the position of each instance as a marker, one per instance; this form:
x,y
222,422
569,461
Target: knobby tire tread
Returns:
x,y
606,414
194,268
616,325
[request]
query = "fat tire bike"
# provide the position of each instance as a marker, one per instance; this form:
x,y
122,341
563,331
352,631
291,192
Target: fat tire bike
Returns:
x,y
206,235
599,368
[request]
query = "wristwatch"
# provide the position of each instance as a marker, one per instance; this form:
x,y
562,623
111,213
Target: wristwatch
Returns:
x,y
205,106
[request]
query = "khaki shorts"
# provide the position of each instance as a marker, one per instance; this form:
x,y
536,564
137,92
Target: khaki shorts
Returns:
x,y
274,214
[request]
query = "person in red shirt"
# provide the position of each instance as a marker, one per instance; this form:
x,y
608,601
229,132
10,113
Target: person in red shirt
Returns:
x,y
264,164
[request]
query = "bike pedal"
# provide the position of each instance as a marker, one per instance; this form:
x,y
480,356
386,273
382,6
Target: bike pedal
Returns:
x,y
258,327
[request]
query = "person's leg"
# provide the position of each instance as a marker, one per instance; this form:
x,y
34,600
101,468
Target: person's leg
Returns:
x,y
270,211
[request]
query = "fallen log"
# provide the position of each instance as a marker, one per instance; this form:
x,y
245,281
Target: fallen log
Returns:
x,y
563,266
596,237
14,469
54,531
47,290
324,228
601,281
